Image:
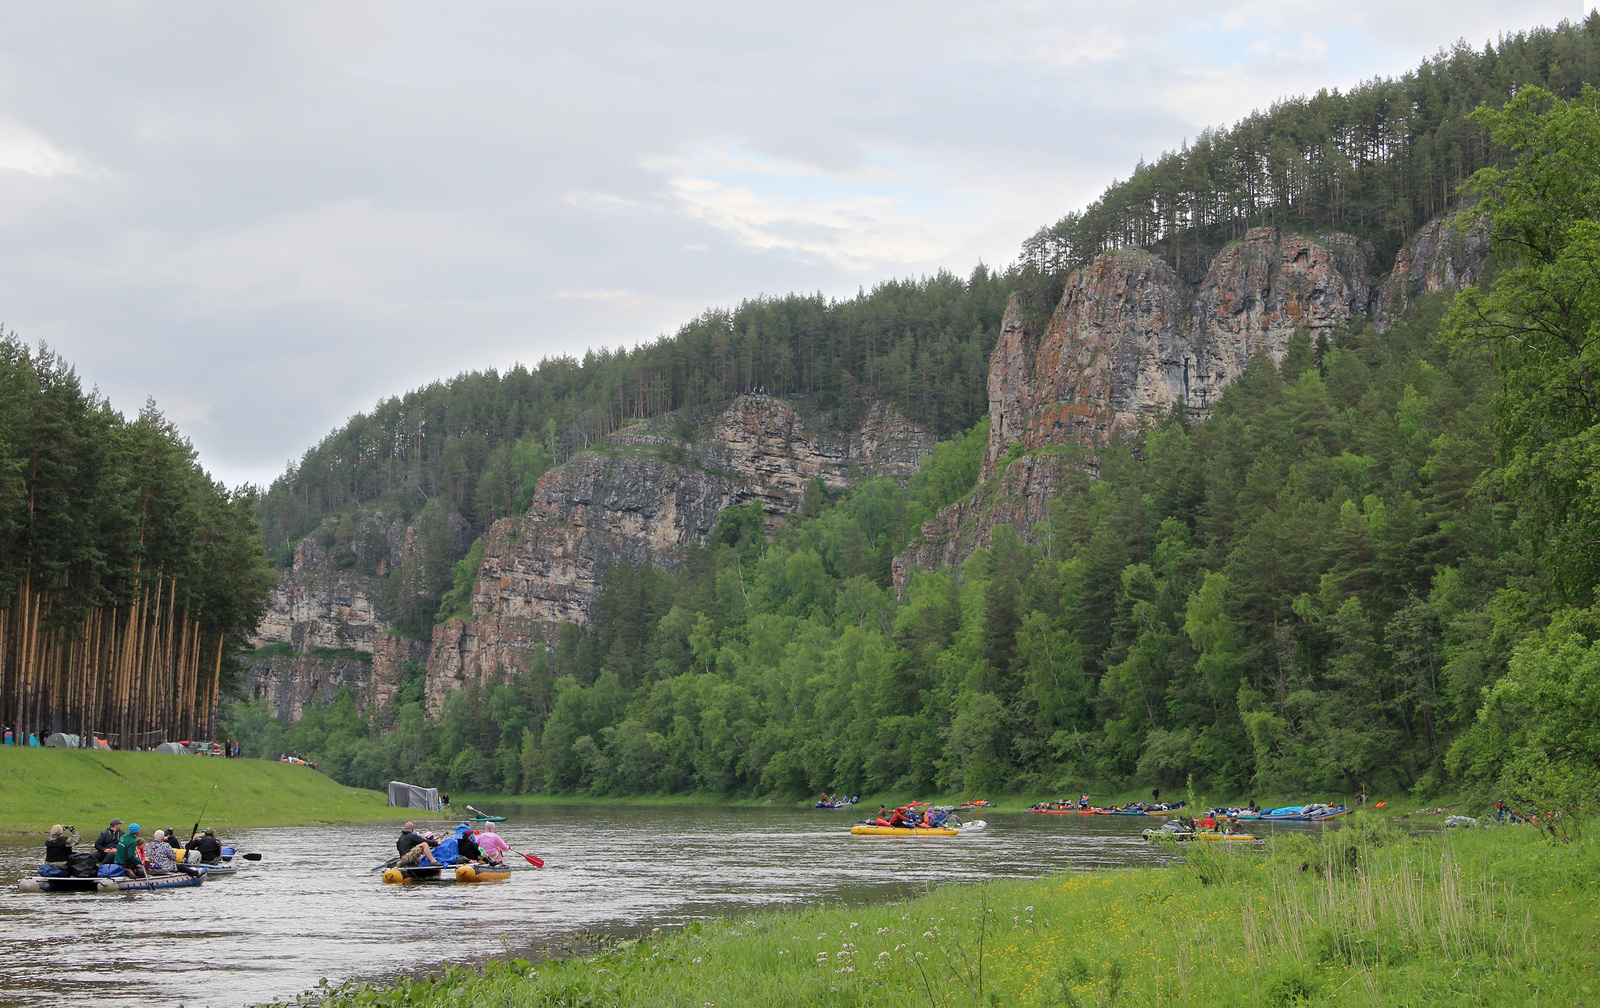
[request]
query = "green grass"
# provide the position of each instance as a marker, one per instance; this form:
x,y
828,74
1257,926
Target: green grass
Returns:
x,y
1360,916
86,788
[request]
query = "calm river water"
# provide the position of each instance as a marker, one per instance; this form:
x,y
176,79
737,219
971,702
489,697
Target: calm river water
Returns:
x,y
312,909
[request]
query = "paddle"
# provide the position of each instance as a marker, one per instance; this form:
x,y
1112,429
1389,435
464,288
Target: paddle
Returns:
x,y
251,857
531,859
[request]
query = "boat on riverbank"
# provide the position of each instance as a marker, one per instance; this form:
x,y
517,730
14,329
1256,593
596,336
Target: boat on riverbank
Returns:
x,y
927,831
120,883
1151,834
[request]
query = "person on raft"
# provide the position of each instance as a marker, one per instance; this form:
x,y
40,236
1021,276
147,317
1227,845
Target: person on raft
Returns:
x,y
58,848
902,818
490,845
409,838
208,846
420,854
130,852
161,859
105,845
466,846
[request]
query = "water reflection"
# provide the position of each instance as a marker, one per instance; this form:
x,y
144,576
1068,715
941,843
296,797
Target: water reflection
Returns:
x,y
313,908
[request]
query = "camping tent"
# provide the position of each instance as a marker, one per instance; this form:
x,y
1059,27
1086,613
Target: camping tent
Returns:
x,y
171,747
61,741
405,795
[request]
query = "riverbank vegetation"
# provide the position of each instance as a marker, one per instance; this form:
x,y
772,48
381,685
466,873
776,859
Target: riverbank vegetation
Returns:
x,y
87,788
1363,915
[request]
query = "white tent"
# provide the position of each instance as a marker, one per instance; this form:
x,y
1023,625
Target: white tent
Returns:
x,y
404,795
171,747
62,741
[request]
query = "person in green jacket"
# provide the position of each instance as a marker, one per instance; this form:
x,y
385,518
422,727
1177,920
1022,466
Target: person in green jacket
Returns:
x,y
130,853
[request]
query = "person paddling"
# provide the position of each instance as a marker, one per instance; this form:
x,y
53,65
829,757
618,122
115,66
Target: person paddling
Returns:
x,y
409,838
208,846
490,845
418,855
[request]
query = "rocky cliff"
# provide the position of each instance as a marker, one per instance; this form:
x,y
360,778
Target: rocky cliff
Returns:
x,y
324,628
1127,343
646,495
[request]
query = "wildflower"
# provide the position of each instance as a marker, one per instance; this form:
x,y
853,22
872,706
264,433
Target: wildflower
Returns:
x,y
883,955
927,934
883,931
847,969
696,959
900,946
1030,909
783,951
854,925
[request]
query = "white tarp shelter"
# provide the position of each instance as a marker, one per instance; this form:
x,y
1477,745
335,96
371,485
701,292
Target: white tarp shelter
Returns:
x,y
402,795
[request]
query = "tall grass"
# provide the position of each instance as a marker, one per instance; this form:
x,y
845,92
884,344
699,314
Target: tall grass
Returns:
x,y
1358,916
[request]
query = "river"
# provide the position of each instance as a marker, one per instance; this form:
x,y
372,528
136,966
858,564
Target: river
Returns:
x,y
312,909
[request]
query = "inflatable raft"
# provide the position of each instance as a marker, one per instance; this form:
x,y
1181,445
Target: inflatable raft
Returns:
x,y
465,874
120,883
864,830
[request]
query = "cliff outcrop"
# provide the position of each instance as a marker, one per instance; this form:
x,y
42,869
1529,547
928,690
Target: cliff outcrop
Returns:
x,y
324,628
1127,343
647,496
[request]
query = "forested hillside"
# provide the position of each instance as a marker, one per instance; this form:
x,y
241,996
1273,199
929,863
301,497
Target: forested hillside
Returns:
x,y
128,577
1373,567
1302,591
477,443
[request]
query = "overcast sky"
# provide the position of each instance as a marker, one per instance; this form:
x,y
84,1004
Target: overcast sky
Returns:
x,y
270,216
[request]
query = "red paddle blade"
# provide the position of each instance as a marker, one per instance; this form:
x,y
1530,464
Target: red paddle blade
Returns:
x,y
536,862
1380,804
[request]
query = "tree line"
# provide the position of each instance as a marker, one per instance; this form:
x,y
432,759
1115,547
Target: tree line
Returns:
x,y
1379,160
128,577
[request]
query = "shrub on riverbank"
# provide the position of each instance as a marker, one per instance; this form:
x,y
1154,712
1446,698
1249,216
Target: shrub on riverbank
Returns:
x,y
1357,916
87,787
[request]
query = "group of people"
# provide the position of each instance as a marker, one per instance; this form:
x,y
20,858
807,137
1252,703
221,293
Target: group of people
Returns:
x,y
907,817
424,850
161,852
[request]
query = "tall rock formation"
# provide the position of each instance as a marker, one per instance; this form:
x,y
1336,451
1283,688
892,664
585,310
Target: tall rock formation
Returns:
x,y
1127,343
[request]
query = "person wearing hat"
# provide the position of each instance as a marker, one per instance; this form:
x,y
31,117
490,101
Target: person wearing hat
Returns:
x,y
409,838
130,852
58,848
105,845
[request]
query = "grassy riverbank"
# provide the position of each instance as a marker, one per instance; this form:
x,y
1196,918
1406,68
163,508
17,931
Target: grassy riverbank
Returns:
x,y
1364,915
86,788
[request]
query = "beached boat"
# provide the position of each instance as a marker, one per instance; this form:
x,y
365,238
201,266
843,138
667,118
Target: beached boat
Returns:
x,y
1151,834
865,830
115,884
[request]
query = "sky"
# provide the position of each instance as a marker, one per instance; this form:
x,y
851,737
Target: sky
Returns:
x,y
269,217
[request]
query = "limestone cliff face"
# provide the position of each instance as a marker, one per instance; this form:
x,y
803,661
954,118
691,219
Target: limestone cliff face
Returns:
x,y
645,495
329,600
1127,342
1439,259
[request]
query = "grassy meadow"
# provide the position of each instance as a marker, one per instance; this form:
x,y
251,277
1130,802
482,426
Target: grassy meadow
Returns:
x,y
86,788
1360,916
